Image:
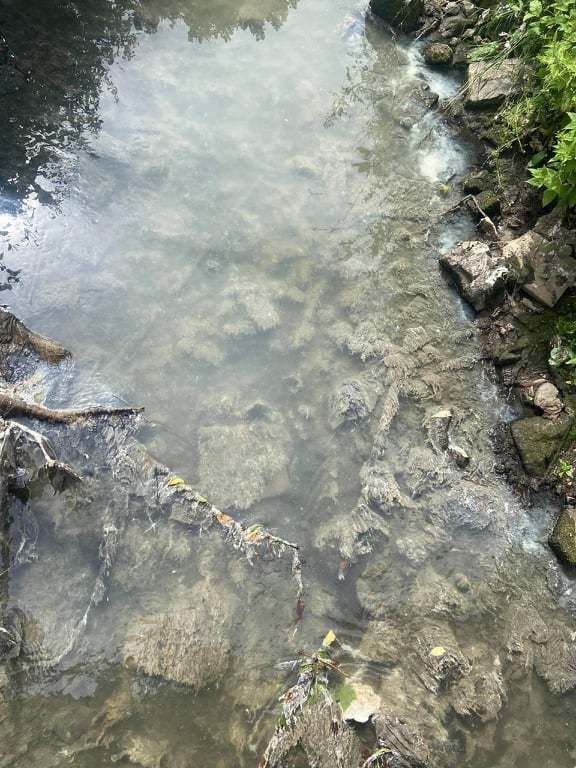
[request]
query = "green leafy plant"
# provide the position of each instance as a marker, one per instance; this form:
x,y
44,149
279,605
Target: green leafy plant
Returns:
x,y
565,470
543,35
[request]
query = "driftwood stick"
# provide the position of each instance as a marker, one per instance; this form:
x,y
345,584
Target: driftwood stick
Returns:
x,y
472,199
12,405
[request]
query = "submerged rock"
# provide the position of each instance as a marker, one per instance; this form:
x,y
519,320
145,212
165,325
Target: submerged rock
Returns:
x,y
480,695
490,84
479,274
403,14
243,463
563,538
349,404
188,647
538,440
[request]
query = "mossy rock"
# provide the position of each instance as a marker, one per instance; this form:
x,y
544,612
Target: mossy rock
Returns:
x,y
563,538
488,202
538,440
478,181
438,54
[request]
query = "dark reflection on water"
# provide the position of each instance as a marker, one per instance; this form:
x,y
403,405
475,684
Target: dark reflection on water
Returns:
x,y
54,61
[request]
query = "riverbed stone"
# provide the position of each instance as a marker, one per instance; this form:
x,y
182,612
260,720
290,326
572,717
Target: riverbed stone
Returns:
x,y
490,84
189,647
547,399
241,464
479,274
538,440
349,404
563,538
403,14
480,696
438,54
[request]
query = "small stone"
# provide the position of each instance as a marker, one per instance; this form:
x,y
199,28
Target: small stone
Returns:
x,y
459,456
546,399
538,440
468,8
563,538
452,9
554,273
438,54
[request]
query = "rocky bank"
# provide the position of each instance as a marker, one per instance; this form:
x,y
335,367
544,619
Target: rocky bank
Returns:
x,y
519,273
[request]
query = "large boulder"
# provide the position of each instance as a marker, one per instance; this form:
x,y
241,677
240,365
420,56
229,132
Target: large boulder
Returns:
x,y
490,84
479,274
538,440
402,14
563,538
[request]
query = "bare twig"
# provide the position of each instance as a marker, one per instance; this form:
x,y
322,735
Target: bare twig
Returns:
x,y
483,214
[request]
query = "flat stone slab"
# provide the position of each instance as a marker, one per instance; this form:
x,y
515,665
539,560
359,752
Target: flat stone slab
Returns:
x,y
241,464
490,84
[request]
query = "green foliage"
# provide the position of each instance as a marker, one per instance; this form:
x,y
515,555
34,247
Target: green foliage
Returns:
x,y
564,350
543,34
565,470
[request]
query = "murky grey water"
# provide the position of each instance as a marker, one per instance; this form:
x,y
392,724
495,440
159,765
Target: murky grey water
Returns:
x,y
246,245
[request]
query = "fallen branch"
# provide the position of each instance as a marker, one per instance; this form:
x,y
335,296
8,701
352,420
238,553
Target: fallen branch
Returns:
x,y
12,405
485,218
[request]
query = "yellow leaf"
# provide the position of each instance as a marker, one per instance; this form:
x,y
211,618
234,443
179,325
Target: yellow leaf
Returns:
x,y
175,480
329,639
224,519
200,499
438,651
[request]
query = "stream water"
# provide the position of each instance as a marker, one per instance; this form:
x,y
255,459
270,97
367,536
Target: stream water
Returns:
x,y
231,218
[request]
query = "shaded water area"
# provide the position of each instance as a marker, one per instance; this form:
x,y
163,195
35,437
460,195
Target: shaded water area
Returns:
x,y
228,212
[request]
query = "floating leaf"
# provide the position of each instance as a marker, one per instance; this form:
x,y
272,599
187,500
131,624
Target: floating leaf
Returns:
x,y
329,639
438,651
175,480
345,695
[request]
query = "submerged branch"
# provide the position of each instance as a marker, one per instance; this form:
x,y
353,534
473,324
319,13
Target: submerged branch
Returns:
x,y
12,405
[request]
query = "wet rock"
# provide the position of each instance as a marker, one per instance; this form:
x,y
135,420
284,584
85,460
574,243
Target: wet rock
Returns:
x,y
481,695
438,426
451,9
348,404
490,84
438,54
538,440
365,704
403,14
142,750
479,274
459,456
547,399
478,181
440,661
489,203
563,538
188,646
243,463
